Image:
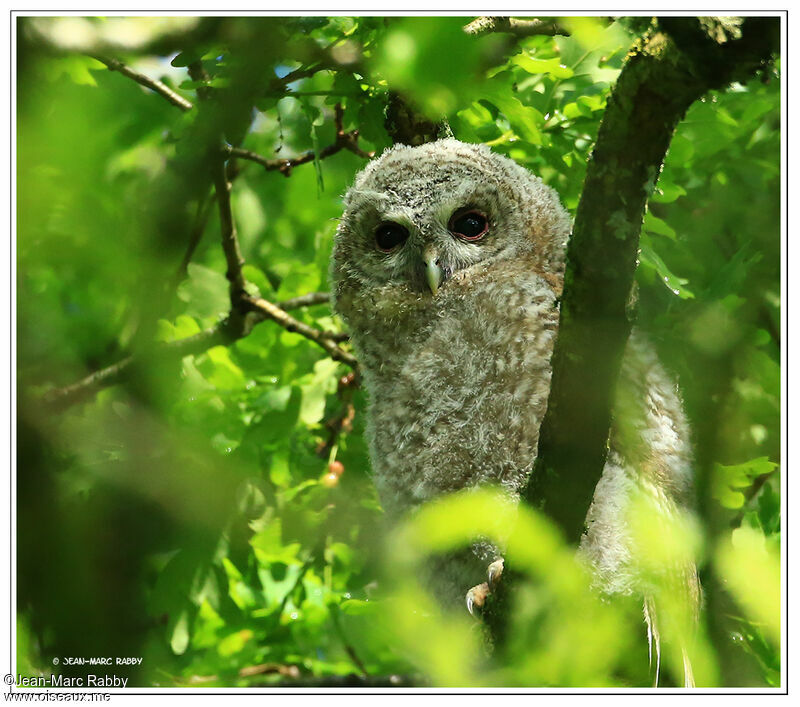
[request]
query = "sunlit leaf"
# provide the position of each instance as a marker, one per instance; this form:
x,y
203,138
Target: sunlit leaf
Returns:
x,y
648,256
752,574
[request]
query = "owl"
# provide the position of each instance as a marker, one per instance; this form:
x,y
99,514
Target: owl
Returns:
x,y
447,268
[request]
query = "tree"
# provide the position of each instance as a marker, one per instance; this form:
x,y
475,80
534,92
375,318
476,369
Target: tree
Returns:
x,y
223,456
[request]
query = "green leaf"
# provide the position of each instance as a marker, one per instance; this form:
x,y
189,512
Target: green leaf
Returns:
x,y
681,150
225,373
191,85
279,472
322,384
584,106
525,121
667,192
431,59
179,633
752,573
205,292
300,280
256,276
358,607
589,44
76,67
186,57
185,326
728,479
315,120
278,585
653,224
250,218
649,257
542,66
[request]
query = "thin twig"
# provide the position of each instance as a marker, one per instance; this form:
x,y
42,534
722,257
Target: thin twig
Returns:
x,y
285,320
282,164
342,420
344,141
234,326
336,336
60,398
221,334
511,25
323,61
153,84
295,75
308,300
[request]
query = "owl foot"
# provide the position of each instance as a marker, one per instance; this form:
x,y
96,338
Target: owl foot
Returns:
x,y
476,597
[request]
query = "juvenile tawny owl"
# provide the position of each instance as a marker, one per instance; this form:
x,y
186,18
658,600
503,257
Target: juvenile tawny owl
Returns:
x,y
447,268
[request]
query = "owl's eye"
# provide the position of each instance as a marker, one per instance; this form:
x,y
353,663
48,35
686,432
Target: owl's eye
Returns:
x,y
390,235
469,225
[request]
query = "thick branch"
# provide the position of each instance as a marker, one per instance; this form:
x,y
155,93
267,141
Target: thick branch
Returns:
x,y
153,84
511,25
406,125
654,90
230,243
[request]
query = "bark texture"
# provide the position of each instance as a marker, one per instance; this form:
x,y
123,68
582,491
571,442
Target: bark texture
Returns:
x,y
674,65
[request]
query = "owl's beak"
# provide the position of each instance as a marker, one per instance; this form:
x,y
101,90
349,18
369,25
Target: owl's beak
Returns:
x,y
433,273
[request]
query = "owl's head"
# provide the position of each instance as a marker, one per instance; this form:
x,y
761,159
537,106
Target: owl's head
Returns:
x,y
418,219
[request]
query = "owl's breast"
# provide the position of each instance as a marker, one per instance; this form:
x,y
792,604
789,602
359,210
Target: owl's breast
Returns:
x,y
462,405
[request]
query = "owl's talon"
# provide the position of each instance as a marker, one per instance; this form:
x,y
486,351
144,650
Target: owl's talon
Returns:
x,y
494,573
476,597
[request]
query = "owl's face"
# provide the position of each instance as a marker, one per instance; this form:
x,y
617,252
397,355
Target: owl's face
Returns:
x,y
419,219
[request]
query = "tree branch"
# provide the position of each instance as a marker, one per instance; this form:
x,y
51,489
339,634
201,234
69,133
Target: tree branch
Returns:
x,y
61,398
230,243
271,311
407,126
511,25
655,88
344,141
236,326
342,420
153,84
308,300
221,334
